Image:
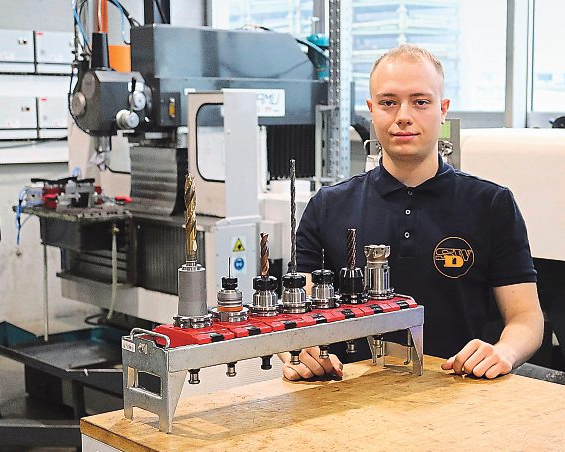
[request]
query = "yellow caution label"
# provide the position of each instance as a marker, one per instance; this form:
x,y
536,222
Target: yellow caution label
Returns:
x,y
172,107
238,247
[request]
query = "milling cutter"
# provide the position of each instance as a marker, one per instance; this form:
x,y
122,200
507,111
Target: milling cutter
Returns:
x,y
377,272
351,285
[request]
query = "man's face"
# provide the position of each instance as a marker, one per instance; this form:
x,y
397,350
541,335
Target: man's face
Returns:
x,y
407,108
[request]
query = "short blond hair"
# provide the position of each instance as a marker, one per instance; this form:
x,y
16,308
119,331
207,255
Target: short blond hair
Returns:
x,y
410,52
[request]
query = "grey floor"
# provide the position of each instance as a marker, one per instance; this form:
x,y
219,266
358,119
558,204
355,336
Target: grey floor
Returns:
x,y
14,402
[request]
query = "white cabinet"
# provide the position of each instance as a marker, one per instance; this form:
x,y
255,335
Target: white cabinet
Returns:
x,y
53,52
18,117
16,51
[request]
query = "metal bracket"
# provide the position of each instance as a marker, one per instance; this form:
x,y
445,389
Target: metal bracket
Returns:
x,y
413,352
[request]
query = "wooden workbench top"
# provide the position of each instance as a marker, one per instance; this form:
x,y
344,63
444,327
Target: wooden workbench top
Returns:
x,y
370,409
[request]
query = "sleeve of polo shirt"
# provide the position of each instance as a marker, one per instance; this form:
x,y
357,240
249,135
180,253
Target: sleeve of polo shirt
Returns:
x,y
511,259
308,236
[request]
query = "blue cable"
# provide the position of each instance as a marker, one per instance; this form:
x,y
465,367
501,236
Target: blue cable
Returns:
x,y
19,209
78,22
77,172
19,224
119,6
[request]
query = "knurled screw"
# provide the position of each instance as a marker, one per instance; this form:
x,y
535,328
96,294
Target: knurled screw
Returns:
x,y
194,380
231,370
266,362
295,357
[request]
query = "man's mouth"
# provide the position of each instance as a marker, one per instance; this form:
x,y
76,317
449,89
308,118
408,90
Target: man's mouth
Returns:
x,y
401,137
404,134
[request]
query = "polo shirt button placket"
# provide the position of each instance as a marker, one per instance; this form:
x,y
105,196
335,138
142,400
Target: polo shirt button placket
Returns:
x,y
407,245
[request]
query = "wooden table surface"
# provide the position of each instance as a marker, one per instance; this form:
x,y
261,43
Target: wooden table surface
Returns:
x,y
372,408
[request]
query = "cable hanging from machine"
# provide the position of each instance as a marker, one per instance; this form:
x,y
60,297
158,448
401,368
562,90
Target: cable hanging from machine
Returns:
x,y
160,9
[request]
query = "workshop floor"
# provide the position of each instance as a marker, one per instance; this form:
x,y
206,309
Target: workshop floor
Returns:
x,y
15,403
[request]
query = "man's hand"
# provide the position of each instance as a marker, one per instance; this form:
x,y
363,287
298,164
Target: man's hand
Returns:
x,y
480,359
311,365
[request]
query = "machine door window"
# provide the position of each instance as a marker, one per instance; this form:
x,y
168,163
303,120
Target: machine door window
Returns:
x,y
210,146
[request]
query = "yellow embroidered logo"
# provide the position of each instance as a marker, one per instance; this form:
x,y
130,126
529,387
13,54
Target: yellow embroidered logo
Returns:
x,y
453,257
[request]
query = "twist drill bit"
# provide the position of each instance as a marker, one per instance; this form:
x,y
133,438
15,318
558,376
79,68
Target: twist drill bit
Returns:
x,y
264,254
351,247
293,295
292,216
323,258
265,298
192,306
190,217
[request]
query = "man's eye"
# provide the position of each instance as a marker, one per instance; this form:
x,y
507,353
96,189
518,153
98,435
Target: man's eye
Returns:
x,y
387,103
422,102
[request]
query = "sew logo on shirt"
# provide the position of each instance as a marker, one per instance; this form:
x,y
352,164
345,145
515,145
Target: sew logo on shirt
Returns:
x,y
453,257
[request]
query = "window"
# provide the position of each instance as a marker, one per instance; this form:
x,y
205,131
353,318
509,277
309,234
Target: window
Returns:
x,y
470,44
548,80
288,16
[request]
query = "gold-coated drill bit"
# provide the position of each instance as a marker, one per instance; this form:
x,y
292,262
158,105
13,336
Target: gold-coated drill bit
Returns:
x,y
264,254
190,217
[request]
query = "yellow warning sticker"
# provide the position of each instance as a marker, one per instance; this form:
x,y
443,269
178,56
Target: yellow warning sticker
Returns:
x,y
238,247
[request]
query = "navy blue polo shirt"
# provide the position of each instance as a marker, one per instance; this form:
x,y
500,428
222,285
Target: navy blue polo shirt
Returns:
x,y
452,239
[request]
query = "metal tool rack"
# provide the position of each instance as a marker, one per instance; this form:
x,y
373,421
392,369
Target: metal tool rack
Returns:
x,y
141,353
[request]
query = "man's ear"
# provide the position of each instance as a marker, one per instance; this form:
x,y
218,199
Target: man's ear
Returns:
x,y
370,104
444,108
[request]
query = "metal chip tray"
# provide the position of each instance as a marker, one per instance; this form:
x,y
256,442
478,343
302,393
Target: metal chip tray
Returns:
x,y
90,356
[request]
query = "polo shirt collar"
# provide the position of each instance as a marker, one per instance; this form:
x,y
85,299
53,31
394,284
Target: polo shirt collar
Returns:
x,y
441,182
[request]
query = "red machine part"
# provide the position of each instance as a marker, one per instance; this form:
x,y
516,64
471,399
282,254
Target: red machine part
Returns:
x,y
50,195
123,200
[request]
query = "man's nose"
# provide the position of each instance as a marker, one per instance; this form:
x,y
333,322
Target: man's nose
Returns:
x,y
403,115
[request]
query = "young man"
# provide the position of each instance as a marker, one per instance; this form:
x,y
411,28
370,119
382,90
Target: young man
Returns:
x,y
455,239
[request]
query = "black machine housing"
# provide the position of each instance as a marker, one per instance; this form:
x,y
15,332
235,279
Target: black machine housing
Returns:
x,y
170,61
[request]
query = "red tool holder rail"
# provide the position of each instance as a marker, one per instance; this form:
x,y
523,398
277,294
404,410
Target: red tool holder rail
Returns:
x,y
223,331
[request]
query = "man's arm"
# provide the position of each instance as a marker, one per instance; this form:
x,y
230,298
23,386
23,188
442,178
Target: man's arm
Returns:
x,y
521,337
